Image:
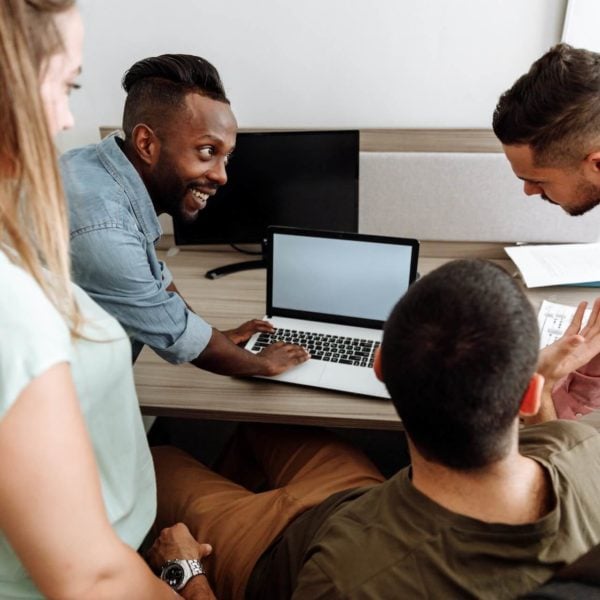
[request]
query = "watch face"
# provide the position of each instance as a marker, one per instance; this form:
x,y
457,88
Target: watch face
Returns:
x,y
173,574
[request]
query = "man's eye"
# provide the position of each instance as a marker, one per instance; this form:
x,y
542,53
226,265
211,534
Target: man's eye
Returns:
x,y
206,153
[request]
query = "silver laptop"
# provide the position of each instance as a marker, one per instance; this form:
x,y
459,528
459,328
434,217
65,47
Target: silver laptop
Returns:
x,y
331,292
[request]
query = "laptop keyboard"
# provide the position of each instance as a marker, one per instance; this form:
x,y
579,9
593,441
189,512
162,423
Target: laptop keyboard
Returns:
x,y
330,348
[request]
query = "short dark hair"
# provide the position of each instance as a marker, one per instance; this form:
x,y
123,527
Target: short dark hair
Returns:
x,y
458,352
554,108
157,86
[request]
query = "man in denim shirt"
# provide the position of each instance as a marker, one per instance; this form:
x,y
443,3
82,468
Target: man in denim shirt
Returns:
x,y
179,132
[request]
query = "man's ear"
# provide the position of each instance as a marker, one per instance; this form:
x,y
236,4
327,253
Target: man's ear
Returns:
x,y
532,399
145,143
377,364
592,162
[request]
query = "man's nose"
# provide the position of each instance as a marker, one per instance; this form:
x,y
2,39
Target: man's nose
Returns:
x,y
218,174
531,189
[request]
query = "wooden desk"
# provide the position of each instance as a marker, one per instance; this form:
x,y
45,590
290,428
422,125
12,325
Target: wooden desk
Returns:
x,y
187,391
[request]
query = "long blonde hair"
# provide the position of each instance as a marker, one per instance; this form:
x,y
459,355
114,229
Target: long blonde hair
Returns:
x,y
33,214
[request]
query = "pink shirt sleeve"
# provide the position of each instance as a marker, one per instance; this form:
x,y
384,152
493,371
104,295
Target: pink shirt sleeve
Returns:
x,y
576,395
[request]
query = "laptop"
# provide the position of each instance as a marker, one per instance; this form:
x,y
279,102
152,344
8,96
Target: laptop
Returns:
x,y
331,293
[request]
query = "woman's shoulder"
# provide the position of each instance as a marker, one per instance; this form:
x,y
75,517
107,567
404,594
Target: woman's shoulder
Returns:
x,y
34,334
22,298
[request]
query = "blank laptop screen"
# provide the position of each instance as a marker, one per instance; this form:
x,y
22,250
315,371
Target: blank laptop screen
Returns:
x,y
351,278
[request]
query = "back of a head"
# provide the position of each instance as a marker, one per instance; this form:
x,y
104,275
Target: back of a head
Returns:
x,y
156,87
554,108
458,353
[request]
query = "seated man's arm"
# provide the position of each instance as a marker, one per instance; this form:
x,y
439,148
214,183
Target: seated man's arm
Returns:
x,y
113,266
222,356
219,357
175,543
240,334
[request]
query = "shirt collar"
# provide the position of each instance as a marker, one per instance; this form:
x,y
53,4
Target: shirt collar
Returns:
x,y
124,173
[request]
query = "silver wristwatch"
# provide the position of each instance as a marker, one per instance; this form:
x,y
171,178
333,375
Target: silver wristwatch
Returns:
x,y
178,572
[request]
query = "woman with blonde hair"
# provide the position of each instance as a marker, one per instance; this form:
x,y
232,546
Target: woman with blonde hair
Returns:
x,y
77,489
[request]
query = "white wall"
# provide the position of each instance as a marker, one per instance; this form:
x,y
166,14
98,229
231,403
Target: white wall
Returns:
x,y
323,63
581,24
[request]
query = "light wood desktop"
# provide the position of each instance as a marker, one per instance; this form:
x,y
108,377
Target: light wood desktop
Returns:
x,y
186,391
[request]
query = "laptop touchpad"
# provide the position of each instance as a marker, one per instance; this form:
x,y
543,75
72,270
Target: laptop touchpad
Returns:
x,y
308,373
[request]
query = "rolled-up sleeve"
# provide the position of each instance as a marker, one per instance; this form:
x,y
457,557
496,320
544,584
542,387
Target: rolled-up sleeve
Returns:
x,y
120,270
576,395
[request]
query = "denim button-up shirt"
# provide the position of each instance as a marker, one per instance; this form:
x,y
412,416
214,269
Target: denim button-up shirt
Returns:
x,y
114,229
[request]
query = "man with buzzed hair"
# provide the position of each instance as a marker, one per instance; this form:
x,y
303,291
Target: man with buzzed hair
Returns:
x,y
549,126
487,509
179,132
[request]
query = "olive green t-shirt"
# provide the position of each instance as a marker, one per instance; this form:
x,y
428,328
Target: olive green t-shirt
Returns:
x,y
392,542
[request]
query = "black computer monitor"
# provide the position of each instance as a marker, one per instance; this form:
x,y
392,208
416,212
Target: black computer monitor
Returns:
x,y
305,179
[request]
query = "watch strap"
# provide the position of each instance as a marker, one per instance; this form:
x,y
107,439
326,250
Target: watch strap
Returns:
x,y
195,567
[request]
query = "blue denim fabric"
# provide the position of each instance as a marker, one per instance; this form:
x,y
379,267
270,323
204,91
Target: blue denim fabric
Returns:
x,y
114,229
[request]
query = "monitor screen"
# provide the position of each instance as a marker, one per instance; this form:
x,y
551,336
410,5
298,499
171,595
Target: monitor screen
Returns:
x,y
306,179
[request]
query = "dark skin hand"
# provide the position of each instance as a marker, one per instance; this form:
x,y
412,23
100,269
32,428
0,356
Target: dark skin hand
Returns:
x,y
246,330
222,355
177,542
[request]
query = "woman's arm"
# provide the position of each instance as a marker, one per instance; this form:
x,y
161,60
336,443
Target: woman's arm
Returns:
x,y
51,507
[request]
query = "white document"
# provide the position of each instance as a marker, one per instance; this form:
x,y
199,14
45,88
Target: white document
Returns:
x,y
557,264
553,320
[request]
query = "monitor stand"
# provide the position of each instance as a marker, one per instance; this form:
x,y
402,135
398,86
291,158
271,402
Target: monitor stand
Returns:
x,y
241,266
234,268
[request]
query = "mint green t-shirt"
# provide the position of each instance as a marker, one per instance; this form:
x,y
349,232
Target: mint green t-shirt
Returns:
x,y
35,338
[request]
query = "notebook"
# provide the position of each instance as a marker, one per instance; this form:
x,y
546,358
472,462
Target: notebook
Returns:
x,y
331,292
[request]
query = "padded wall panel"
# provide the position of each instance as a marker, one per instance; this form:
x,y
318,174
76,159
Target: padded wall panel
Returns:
x,y
460,197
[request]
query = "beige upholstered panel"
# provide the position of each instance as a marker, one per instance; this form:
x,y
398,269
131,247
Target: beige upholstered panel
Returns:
x,y
457,197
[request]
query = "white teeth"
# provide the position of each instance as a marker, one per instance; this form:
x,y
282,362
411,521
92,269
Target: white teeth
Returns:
x,y
199,195
201,198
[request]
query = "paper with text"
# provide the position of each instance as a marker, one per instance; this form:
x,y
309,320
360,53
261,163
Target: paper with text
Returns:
x,y
556,264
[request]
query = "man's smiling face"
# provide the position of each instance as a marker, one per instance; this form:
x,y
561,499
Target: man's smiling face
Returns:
x,y
195,145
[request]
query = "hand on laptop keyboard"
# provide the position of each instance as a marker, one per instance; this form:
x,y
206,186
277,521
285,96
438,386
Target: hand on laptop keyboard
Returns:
x,y
245,331
280,356
331,348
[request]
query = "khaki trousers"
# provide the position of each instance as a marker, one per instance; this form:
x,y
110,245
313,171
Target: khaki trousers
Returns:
x,y
303,466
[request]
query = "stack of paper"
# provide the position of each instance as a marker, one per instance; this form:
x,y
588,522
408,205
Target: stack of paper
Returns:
x,y
558,264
